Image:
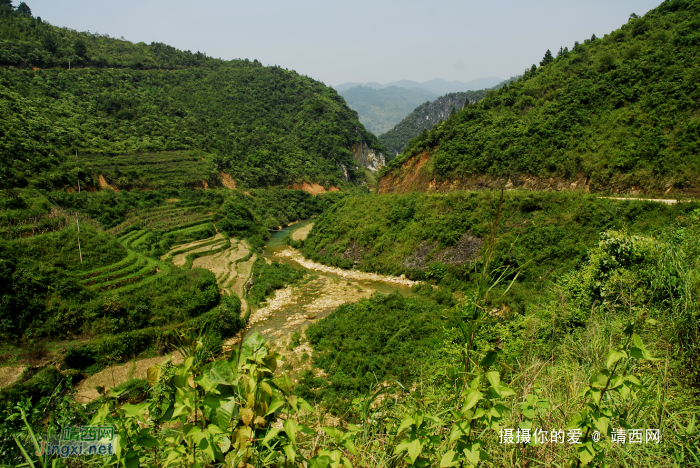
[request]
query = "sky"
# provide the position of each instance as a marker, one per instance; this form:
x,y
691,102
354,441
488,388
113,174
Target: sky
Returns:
x,y
359,41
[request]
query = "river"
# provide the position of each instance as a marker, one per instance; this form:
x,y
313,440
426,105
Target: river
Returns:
x,y
294,308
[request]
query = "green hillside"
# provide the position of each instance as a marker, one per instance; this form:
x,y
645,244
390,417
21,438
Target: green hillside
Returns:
x,y
425,116
438,236
262,125
381,109
620,112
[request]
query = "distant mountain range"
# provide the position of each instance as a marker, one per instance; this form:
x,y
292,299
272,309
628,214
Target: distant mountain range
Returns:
x,y
437,86
380,109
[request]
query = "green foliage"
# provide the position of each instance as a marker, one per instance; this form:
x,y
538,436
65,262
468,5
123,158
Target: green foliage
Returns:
x,y
620,111
412,234
225,407
174,169
396,335
427,115
267,278
262,125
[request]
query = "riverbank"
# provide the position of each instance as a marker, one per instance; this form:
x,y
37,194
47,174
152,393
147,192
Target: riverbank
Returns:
x,y
297,257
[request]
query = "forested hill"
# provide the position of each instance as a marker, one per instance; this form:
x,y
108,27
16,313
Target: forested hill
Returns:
x,y
424,117
262,125
618,113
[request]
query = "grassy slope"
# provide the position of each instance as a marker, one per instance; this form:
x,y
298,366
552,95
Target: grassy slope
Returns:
x,y
621,111
263,125
381,109
550,232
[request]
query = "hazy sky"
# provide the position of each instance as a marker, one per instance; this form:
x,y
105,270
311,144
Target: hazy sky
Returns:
x,y
359,40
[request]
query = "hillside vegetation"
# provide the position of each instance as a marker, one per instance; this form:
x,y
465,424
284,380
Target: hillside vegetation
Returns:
x,y
431,380
261,125
614,113
437,237
424,117
427,115
381,109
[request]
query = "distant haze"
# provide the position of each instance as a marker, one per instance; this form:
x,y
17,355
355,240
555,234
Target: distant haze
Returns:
x,y
361,41
437,86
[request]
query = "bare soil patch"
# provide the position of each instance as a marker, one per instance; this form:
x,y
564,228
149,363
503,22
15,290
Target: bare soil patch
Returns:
x,y
302,233
227,180
10,374
349,274
313,188
115,375
180,259
464,251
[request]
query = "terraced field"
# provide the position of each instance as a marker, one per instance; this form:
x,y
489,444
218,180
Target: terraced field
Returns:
x,y
148,170
232,265
165,218
133,271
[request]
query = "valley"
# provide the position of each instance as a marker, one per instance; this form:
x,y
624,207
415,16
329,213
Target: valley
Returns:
x,y
220,260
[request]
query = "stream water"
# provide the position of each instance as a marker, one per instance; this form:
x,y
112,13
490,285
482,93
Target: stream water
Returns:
x,y
292,309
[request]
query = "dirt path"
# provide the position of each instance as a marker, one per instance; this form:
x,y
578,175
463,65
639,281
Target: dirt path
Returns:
x,y
302,233
180,259
657,200
115,375
10,374
243,270
349,274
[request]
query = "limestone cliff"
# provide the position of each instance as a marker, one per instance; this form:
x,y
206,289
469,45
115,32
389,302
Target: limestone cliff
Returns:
x,y
367,157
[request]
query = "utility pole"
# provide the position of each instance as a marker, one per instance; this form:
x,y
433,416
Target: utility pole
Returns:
x,y
76,213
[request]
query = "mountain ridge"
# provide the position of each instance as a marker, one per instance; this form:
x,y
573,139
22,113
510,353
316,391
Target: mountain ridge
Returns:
x,y
438,86
427,115
381,109
263,126
619,113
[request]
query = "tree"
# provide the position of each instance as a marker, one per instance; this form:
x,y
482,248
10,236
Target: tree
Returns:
x,y
80,48
6,3
50,43
593,38
24,9
634,16
533,69
547,59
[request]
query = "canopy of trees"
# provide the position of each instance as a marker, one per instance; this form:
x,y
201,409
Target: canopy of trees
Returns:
x,y
621,111
264,125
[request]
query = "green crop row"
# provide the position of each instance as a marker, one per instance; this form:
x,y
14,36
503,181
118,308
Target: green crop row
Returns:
x,y
135,240
192,219
140,239
190,229
197,246
144,281
110,277
129,236
130,258
149,268
162,221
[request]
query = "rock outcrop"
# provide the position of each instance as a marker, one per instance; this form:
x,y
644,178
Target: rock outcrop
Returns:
x,y
367,157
